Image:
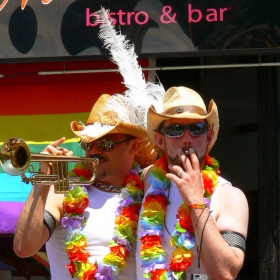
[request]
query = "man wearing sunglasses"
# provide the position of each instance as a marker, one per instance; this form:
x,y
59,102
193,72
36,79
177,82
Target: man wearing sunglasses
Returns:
x,y
102,245
193,223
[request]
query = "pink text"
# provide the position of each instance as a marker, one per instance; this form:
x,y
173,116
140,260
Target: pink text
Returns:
x,y
122,18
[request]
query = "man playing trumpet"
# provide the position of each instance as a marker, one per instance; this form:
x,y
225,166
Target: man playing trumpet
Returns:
x,y
101,222
108,213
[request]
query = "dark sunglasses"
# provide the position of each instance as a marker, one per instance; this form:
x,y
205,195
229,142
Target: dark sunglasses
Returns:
x,y
103,145
178,130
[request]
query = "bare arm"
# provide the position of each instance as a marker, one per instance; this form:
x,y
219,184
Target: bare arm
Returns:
x,y
219,259
31,232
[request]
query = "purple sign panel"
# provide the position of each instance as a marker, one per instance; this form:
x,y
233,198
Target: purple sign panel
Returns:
x,y
67,28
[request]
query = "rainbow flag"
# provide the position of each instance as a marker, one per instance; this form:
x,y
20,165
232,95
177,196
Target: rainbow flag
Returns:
x,y
39,109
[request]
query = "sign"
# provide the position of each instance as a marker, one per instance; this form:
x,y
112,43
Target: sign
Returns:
x,y
67,28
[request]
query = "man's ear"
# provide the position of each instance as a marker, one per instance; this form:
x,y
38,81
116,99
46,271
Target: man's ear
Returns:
x,y
136,144
159,138
210,135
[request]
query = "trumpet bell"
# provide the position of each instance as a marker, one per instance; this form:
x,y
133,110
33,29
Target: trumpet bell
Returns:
x,y
15,159
15,156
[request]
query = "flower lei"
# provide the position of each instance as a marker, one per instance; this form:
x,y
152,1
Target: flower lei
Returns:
x,y
153,255
75,203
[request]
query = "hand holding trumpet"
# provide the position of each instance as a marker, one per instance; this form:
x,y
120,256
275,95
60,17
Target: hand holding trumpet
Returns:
x,y
55,150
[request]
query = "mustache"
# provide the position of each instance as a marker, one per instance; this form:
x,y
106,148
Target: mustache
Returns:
x,y
98,156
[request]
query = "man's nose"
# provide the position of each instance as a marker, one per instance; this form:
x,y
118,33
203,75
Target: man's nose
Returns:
x,y
187,137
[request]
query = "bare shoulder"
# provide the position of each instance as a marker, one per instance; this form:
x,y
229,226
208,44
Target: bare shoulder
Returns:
x,y
146,171
231,193
145,175
232,210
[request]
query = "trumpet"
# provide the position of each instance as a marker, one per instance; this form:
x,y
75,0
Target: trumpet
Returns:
x,y
16,157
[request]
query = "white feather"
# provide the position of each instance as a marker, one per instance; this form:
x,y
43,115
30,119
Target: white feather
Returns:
x,y
140,95
96,129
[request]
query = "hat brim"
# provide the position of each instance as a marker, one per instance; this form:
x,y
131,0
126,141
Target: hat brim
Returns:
x,y
155,119
146,154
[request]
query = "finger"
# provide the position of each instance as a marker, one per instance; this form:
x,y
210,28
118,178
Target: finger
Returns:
x,y
176,172
63,150
180,173
174,168
58,142
54,149
194,159
184,159
69,153
45,167
59,151
175,176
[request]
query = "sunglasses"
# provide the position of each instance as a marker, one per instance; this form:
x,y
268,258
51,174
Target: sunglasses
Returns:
x,y
178,130
103,145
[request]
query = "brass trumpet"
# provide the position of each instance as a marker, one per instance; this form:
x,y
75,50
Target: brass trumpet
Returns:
x,y
15,159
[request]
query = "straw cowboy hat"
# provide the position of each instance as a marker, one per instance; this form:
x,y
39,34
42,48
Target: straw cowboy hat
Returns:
x,y
110,114
182,103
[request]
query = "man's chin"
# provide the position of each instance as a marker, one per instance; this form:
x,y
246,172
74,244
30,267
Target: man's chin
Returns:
x,y
175,161
100,175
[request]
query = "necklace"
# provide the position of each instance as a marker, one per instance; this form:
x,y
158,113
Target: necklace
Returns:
x,y
75,203
153,255
115,189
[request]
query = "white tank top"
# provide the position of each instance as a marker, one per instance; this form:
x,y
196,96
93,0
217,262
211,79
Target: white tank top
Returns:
x,y
101,215
175,201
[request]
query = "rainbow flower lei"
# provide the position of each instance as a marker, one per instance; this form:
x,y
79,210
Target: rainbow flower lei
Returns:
x,y
153,255
75,203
